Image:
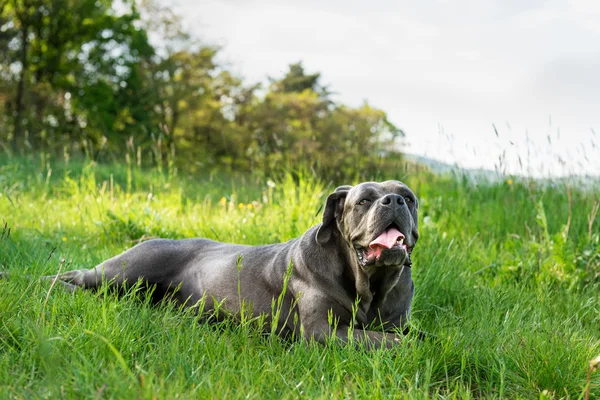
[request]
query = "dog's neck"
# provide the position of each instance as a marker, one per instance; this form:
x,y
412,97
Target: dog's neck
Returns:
x,y
373,283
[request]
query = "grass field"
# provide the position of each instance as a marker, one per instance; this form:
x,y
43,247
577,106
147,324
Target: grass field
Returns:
x,y
507,277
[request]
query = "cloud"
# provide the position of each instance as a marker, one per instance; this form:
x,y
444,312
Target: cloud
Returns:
x,y
580,14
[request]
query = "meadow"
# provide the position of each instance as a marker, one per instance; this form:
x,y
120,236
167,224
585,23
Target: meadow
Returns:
x,y
507,277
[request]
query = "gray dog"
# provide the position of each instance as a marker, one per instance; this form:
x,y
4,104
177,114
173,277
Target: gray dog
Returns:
x,y
352,270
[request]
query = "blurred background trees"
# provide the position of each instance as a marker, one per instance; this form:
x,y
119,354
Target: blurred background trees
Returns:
x,y
95,78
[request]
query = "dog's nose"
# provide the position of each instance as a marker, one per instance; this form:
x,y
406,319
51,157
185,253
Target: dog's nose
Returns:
x,y
392,199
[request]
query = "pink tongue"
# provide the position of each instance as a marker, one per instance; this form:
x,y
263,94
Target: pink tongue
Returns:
x,y
386,240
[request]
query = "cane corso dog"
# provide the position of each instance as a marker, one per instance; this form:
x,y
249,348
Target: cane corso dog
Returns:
x,y
352,270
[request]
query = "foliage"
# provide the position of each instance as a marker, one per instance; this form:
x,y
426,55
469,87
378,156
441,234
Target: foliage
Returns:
x,y
90,77
507,277
67,67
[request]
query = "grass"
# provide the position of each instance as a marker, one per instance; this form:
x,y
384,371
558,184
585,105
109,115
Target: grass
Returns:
x,y
507,277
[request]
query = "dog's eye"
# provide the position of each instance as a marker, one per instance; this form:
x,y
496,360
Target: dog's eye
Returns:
x,y
408,200
363,202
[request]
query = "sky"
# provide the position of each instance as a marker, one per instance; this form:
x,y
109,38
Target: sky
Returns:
x,y
507,85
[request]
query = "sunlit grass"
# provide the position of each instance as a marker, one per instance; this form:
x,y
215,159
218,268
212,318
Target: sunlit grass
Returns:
x,y
507,278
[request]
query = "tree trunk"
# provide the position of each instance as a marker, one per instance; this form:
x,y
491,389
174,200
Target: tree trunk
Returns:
x,y
18,122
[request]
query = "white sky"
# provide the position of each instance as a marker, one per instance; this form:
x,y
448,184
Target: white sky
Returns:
x,y
444,71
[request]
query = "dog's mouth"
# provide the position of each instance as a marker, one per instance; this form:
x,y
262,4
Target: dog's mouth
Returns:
x,y
388,248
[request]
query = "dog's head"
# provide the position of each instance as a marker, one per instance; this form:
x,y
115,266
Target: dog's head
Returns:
x,y
377,220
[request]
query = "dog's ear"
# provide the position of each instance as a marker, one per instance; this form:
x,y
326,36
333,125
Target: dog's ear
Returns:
x,y
333,209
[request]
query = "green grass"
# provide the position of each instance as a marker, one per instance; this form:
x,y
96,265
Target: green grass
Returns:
x,y
507,277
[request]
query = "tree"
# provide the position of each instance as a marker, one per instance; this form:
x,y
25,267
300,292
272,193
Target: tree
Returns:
x,y
296,80
295,124
64,56
88,76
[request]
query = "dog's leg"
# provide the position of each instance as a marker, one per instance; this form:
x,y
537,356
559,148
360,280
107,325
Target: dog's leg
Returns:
x,y
373,339
68,286
317,325
78,279
370,339
155,261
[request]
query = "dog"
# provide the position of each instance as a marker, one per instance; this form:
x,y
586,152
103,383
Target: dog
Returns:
x,y
350,273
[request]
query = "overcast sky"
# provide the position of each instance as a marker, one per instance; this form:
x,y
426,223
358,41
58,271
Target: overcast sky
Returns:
x,y
444,71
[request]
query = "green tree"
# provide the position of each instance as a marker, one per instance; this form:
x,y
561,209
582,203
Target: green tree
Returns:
x,y
295,124
67,61
296,80
86,75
